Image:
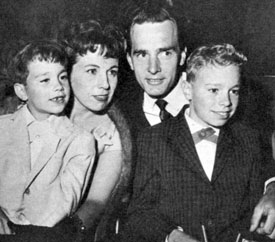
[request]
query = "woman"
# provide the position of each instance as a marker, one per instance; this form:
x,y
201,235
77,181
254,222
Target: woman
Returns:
x,y
94,52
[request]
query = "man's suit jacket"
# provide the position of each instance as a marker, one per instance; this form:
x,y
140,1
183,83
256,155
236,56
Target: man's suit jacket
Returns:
x,y
53,187
171,188
131,105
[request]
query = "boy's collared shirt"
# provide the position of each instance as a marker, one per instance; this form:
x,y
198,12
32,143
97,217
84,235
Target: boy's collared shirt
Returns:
x,y
175,99
206,150
39,133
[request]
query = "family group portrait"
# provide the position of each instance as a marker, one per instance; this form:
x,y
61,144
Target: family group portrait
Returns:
x,y
137,121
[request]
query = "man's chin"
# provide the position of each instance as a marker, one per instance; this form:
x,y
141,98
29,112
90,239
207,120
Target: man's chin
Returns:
x,y
157,93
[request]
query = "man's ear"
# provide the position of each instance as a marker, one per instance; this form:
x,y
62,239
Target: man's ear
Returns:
x,y
182,56
129,59
187,89
20,91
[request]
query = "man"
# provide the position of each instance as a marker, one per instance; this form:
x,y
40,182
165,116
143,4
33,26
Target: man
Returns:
x,y
155,57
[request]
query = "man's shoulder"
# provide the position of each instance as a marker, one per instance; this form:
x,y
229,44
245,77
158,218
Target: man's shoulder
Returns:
x,y
131,106
130,98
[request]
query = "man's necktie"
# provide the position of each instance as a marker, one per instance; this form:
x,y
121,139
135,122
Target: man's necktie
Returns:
x,y
164,114
206,134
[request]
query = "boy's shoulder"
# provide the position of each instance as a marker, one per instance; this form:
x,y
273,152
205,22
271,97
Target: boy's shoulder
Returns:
x,y
5,121
237,125
242,131
5,118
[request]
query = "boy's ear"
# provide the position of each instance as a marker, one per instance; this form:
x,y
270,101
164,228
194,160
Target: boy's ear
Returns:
x,y
187,89
182,56
129,59
20,91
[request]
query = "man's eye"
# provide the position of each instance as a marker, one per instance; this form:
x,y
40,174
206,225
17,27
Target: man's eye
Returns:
x,y
141,55
92,71
213,90
113,73
235,92
167,53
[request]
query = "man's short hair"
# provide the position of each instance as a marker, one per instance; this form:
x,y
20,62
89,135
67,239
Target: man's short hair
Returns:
x,y
91,36
146,13
42,50
216,55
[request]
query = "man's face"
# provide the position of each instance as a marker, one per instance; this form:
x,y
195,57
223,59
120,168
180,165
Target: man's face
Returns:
x,y
47,88
155,56
214,94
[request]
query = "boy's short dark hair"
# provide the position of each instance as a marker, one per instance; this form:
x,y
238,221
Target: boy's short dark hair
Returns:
x,y
92,36
42,50
217,55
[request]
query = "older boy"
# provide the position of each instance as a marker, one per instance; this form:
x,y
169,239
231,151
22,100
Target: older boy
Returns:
x,y
45,161
203,168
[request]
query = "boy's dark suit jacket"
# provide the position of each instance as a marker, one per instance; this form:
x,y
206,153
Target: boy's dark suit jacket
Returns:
x,y
171,188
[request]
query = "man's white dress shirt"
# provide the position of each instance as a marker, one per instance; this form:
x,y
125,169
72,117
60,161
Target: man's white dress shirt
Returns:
x,y
175,99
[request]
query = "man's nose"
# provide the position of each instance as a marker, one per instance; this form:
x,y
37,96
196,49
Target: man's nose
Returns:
x,y
154,65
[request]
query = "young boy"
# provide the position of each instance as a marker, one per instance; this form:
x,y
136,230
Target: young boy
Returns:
x,y
200,174
45,161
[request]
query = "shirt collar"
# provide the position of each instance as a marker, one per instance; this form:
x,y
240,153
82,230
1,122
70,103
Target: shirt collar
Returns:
x,y
30,119
194,126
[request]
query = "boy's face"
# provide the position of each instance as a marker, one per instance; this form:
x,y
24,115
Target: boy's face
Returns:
x,y
155,56
94,80
47,88
214,94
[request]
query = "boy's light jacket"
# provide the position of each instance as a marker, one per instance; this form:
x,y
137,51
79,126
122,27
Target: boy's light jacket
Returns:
x,y
52,189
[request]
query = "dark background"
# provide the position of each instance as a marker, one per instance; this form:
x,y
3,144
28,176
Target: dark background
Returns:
x,y
248,24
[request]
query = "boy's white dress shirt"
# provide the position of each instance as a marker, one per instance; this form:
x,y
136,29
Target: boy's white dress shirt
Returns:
x,y
206,150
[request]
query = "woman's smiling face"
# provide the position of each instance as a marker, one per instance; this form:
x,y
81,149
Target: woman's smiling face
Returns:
x,y
94,80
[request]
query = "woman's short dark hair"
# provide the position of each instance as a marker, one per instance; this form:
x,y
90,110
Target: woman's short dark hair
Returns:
x,y
92,36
